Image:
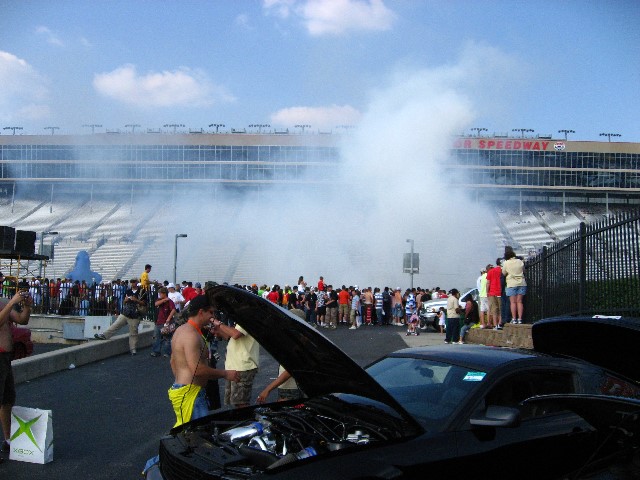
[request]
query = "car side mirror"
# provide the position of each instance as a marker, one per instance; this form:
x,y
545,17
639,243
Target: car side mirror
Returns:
x,y
497,416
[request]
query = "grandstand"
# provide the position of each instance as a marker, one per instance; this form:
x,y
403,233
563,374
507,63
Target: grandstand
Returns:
x,y
100,192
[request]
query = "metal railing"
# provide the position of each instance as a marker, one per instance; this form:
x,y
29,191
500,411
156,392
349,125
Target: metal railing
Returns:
x,y
69,299
594,271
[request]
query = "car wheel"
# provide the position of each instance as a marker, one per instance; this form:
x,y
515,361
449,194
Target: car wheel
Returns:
x,y
19,351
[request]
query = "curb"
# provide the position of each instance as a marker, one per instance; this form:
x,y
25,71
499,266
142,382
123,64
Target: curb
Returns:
x,y
36,366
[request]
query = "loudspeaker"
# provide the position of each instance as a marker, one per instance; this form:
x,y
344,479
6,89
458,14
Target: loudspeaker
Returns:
x,y
7,238
25,242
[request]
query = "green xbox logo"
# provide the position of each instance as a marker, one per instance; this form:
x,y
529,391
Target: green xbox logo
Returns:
x,y
25,427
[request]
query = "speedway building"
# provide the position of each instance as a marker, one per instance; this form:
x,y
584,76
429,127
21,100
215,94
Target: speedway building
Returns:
x,y
542,188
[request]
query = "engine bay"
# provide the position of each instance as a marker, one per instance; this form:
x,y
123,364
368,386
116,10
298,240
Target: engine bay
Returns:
x,y
279,435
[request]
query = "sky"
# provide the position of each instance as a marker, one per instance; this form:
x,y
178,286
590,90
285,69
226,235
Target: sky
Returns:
x,y
407,75
539,65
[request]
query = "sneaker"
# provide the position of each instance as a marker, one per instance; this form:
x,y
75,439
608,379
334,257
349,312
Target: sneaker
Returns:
x,y
352,327
133,352
154,354
499,327
519,322
481,326
99,336
514,321
496,328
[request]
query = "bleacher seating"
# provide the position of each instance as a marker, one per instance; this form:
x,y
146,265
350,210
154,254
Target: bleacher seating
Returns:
x,y
121,239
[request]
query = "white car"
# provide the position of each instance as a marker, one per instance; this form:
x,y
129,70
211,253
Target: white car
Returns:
x,y
429,309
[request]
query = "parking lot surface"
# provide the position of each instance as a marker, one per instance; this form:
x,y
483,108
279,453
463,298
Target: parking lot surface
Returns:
x,y
108,416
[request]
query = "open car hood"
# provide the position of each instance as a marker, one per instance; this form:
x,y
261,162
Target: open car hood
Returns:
x,y
316,363
609,342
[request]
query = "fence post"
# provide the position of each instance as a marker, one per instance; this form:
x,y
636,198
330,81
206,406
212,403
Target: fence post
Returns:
x,y
544,284
582,285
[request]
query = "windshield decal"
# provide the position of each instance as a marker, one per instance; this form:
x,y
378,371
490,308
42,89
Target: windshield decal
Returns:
x,y
474,377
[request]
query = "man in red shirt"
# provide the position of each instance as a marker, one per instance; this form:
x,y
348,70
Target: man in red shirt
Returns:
x,y
494,291
188,292
343,305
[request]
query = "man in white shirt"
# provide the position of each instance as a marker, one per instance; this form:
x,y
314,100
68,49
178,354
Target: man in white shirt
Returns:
x,y
176,297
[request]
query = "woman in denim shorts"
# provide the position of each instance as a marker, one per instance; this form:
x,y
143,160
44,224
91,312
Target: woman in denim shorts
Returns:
x,y
516,288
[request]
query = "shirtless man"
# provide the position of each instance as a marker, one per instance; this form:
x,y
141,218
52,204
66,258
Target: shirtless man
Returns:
x,y
7,385
190,365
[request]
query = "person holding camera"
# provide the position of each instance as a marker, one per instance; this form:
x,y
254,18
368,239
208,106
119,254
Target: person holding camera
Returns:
x,y
16,310
135,302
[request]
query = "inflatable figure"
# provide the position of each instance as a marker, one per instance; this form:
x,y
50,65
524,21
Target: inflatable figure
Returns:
x,y
82,270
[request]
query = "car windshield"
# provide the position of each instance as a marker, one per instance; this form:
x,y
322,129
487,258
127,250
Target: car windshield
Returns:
x,y
430,391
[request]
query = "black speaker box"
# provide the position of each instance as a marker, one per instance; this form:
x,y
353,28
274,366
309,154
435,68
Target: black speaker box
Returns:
x,y
25,242
7,238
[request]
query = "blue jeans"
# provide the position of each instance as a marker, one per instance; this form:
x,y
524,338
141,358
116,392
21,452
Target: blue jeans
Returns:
x,y
161,344
463,331
200,405
453,330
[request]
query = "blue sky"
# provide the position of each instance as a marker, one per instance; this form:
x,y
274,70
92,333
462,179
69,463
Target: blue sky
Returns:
x,y
543,65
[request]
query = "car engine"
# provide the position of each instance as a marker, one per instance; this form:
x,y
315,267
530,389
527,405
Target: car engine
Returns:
x,y
275,437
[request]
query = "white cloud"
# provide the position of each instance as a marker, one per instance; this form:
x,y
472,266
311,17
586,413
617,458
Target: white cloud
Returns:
x,y
24,91
183,87
242,20
50,37
280,8
317,117
335,17
339,16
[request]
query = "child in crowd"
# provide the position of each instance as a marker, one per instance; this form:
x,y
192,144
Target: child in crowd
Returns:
x,y
442,319
413,324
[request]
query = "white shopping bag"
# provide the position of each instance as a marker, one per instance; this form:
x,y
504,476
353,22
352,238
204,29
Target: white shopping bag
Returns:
x,y
31,435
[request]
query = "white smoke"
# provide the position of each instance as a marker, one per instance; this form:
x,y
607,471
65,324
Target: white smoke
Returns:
x,y
391,185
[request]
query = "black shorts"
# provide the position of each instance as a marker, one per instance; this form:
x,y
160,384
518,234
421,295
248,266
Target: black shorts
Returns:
x,y
322,310
7,384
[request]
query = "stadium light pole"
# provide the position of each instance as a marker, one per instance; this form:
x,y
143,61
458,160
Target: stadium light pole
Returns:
x,y
523,130
411,262
217,125
92,126
13,128
132,126
53,129
174,125
346,128
175,256
478,130
42,235
609,135
566,132
302,127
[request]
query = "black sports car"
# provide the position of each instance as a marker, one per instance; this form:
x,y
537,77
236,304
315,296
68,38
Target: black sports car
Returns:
x,y
467,411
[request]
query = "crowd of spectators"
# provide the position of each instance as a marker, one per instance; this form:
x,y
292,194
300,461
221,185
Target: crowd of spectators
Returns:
x,y
324,304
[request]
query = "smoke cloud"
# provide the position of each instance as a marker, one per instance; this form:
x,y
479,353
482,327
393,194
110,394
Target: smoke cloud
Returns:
x,y
391,185
348,221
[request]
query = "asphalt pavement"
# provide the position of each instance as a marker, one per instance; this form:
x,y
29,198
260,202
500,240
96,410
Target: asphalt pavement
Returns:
x,y
108,416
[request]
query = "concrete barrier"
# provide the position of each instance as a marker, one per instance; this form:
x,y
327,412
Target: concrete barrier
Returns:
x,y
36,366
516,336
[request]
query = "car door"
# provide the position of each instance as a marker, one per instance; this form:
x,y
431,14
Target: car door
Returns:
x,y
548,441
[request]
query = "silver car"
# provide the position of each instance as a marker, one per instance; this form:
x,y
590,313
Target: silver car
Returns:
x,y
429,309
